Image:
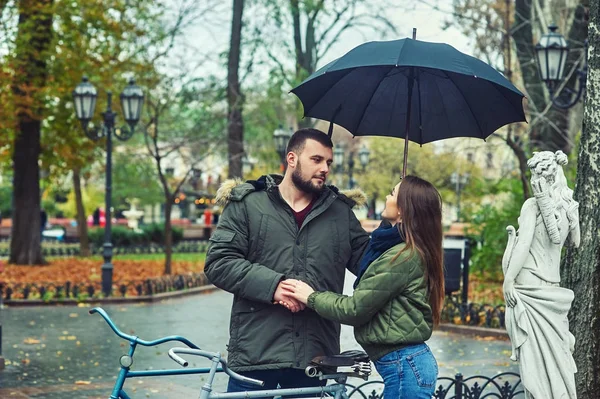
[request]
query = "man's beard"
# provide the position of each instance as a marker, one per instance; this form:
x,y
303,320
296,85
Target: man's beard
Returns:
x,y
306,186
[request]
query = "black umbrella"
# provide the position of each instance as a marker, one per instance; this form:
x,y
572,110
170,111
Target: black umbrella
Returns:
x,y
413,89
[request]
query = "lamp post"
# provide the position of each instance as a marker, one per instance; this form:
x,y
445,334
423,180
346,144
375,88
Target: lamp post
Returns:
x,y
459,181
281,138
338,160
551,57
132,98
247,164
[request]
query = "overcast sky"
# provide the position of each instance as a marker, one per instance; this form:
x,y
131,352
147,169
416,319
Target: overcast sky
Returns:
x,y
427,16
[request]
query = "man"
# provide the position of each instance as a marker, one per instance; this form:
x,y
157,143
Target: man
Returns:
x,y
273,229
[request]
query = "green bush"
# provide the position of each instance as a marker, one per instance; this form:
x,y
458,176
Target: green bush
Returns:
x,y
122,236
491,222
156,233
96,236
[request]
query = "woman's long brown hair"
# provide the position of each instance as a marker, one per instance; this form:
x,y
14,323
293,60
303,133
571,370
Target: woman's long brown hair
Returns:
x,y
420,206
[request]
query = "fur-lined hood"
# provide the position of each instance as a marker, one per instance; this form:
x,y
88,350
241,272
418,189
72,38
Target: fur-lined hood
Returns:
x,y
237,188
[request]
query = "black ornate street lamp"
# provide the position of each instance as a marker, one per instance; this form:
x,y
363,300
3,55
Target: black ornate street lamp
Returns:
x,y
551,56
281,138
338,161
132,98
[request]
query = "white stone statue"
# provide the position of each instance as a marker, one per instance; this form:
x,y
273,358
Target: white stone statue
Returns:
x,y
133,215
537,307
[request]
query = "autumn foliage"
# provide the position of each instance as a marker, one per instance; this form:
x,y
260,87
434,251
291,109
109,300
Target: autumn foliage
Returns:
x,y
79,270
88,272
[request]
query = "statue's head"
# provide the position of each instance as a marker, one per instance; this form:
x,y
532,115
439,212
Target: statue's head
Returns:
x,y
546,164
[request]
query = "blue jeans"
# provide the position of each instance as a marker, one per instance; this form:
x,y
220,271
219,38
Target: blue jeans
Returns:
x,y
284,378
408,373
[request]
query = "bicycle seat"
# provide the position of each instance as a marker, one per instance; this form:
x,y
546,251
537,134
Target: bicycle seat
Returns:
x,y
344,359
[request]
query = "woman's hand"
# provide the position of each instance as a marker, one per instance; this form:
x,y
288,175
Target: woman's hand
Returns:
x,y
297,289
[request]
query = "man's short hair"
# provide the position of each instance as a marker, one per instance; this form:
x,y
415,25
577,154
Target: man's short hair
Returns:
x,y
298,139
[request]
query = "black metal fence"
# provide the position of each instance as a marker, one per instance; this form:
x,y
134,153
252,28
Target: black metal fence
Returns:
x,y
501,386
473,314
84,290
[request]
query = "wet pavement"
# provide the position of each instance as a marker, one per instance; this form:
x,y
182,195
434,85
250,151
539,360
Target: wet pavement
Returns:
x,y
63,352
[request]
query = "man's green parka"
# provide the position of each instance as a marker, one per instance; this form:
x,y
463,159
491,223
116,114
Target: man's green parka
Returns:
x,y
257,244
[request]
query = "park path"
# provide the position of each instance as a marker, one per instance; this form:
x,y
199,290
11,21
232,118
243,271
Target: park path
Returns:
x,y
59,352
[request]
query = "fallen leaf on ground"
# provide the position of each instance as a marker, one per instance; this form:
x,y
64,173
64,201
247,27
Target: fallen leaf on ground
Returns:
x,y
31,341
81,382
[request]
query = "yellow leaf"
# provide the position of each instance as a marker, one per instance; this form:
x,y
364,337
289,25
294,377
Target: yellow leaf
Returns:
x,y
73,315
31,341
81,382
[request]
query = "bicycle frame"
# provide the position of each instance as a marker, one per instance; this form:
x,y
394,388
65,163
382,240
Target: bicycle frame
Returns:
x,y
127,360
337,390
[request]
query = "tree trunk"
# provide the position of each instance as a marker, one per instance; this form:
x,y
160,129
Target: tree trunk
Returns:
x,y
305,57
522,158
581,268
235,126
29,64
25,243
168,234
82,230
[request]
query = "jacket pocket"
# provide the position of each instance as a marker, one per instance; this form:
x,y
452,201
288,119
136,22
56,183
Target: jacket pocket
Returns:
x,y
248,331
334,240
261,239
241,312
222,236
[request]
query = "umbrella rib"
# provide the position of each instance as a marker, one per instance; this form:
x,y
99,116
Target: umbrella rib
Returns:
x,y
468,105
369,102
307,113
443,108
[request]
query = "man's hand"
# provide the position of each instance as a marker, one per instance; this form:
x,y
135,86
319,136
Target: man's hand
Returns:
x,y
298,290
284,298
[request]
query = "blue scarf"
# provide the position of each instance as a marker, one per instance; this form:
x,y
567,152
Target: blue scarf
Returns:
x,y
383,238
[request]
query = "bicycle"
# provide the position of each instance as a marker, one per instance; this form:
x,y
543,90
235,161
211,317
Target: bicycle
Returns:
x,y
336,367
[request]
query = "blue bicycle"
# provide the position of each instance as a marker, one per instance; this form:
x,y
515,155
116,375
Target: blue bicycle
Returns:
x,y
337,368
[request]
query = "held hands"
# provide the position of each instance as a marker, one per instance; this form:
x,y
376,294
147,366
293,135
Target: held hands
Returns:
x,y
284,297
298,290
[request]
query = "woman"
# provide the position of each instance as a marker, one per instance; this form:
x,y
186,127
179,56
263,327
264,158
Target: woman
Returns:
x,y
399,297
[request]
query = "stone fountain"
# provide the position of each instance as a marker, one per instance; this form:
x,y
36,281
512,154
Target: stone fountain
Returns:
x,y
133,214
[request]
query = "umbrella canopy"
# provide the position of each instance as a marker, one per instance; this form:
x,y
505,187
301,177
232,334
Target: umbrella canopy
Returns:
x,y
416,90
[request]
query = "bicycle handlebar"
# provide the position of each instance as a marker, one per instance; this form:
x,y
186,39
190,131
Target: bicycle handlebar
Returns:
x,y
210,355
132,338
